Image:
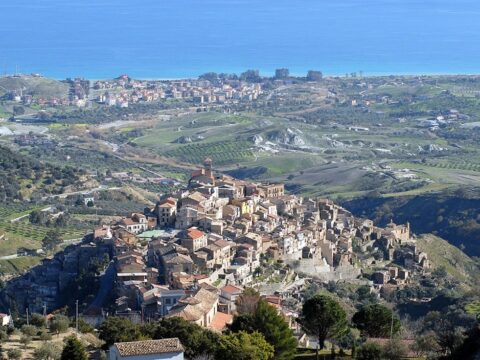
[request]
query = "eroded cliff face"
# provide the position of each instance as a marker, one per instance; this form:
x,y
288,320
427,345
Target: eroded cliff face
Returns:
x,y
55,282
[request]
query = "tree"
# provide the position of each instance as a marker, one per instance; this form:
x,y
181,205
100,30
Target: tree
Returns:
x,y
51,240
25,340
425,345
394,350
38,320
251,76
14,354
440,272
3,335
84,327
247,302
449,339
244,346
18,110
376,320
38,217
272,325
210,76
59,324
196,340
244,322
45,335
43,115
349,340
369,351
29,330
116,329
48,351
73,350
324,318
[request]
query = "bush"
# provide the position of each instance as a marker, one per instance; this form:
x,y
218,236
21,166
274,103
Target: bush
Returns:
x,y
25,340
83,326
73,350
29,330
48,351
369,351
59,324
14,354
38,320
45,336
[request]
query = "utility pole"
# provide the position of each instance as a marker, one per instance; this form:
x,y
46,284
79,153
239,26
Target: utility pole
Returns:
x,y
76,315
391,328
11,324
28,322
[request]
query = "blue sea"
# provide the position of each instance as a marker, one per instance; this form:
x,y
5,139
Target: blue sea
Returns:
x,y
182,38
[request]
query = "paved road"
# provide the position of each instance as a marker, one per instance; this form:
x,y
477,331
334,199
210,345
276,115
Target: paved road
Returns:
x,y
106,285
86,191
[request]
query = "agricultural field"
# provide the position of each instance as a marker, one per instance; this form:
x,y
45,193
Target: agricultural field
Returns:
x,y
349,139
22,234
17,266
221,152
109,208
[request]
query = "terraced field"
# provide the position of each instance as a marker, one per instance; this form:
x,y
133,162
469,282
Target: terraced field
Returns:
x,y
23,234
110,208
221,152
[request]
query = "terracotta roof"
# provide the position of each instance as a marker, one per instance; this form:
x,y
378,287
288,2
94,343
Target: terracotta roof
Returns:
x,y
220,321
168,200
128,221
274,300
200,276
231,289
149,347
208,287
194,233
179,259
204,301
222,243
197,196
167,204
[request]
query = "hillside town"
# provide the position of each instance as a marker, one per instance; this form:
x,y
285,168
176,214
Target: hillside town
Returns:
x,y
194,253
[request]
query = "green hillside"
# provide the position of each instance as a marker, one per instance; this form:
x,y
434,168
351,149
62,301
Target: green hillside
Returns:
x,y
33,85
452,215
442,254
23,176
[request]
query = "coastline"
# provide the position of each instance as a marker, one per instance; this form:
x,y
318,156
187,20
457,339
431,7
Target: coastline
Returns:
x,y
262,73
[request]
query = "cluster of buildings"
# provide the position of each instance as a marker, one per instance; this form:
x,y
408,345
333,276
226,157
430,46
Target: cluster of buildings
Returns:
x,y
124,91
77,95
193,253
